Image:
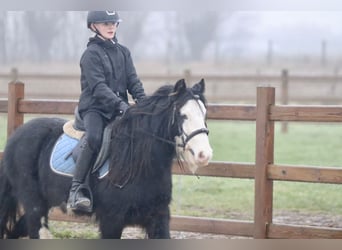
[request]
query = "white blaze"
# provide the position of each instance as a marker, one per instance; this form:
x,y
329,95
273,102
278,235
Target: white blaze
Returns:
x,y
197,152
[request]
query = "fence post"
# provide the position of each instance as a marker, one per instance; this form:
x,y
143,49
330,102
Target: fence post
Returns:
x,y
284,95
14,74
323,52
14,118
187,76
264,156
269,58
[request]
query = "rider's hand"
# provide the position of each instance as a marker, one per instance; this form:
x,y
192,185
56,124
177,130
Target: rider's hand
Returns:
x,y
123,106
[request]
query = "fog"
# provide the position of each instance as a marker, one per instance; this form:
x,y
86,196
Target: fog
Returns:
x,y
174,36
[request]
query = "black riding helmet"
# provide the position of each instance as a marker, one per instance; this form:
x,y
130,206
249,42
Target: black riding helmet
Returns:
x,y
102,17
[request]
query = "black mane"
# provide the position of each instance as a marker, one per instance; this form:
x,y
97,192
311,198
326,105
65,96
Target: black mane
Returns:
x,y
150,124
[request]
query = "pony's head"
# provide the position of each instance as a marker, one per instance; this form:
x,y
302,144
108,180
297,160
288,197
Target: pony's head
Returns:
x,y
192,142
169,122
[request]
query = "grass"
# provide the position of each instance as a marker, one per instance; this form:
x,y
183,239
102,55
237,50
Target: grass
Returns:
x,y
305,144
73,230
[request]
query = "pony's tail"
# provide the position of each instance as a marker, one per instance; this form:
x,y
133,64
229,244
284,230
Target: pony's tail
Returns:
x,y
9,226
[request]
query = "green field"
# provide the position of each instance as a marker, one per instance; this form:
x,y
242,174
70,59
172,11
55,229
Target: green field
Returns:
x,y
316,144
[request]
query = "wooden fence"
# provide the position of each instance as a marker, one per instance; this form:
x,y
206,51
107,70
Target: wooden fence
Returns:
x,y
229,88
265,113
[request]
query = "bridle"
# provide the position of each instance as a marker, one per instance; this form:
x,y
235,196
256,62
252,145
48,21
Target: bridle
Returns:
x,y
187,137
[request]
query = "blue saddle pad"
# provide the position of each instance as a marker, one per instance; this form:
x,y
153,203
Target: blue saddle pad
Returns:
x,y
62,162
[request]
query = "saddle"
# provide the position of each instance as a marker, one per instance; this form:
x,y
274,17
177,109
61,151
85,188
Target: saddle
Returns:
x,y
70,130
67,148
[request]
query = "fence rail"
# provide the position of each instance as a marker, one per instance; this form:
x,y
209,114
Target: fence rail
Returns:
x,y
325,88
264,171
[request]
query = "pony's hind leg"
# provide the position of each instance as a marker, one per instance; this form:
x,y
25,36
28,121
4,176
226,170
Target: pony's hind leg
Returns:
x,y
33,222
35,212
19,229
44,232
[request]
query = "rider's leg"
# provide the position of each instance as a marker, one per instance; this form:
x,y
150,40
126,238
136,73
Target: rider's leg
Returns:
x,y
78,200
94,124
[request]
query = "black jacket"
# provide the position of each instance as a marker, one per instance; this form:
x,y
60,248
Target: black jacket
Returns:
x,y
107,73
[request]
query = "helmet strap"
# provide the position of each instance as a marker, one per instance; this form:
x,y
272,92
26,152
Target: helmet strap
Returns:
x,y
97,32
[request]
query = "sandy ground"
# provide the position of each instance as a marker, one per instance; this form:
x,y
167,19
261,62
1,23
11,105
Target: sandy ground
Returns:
x,y
294,218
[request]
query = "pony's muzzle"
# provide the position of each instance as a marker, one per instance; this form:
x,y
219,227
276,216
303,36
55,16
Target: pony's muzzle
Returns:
x,y
203,157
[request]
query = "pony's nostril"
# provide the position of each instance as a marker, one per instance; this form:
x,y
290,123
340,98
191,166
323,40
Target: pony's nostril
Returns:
x,y
202,156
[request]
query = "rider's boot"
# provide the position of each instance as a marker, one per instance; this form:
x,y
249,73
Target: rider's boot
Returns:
x,y
78,200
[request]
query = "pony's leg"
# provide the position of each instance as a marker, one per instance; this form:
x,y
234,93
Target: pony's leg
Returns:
x,y
44,232
35,211
159,226
33,222
19,229
110,228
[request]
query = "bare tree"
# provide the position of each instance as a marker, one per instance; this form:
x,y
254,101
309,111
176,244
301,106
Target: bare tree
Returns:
x,y
199,30
240,36
3,56
133,22
43,28
72,38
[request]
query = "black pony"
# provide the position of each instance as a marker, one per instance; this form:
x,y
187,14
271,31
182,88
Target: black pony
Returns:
x,y
137,189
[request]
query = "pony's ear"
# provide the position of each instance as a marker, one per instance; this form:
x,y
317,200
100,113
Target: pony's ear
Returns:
x,y
199,87
179,87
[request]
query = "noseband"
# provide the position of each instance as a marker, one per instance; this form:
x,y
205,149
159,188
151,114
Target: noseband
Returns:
x,y
186,138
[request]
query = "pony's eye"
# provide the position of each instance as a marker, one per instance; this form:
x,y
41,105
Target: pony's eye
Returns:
x,y
184,117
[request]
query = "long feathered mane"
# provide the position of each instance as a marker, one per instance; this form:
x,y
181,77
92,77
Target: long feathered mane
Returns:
x,y
146,127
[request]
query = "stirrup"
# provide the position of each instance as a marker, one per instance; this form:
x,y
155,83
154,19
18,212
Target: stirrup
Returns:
x,y
78,206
